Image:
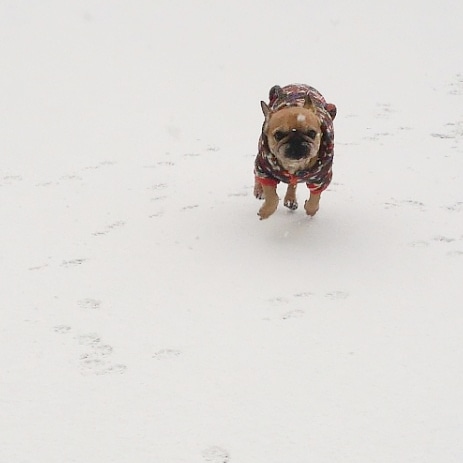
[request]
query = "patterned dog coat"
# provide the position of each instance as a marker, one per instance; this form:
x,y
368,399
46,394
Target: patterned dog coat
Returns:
x,y
268,170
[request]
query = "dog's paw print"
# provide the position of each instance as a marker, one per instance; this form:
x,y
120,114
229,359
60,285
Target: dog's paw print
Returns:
x,y
72,263
447,242
238,194
455,253
158,198
100,165
384,110
88,303
70,177
296,313
62,329
456,207
89,339
192,206
166,163
442,136
158,186
38,267
377,136
215,454
109,228
115,368
443,239
453,131
392,203
96,360
418,244
417,204
456,87
166,354
96,366
10,180
278,300
337,295
304,294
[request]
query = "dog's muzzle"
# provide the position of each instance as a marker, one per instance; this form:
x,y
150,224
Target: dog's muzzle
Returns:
x,y
297,148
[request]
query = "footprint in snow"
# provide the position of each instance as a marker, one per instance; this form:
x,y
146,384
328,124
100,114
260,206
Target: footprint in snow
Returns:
x,y
191,155
405,202
297,313
100,165
96,360
166,354
336,295
62,329
216,455
443,239
88,303
109,228
72,263
456,253
158,186
418,244
456,87
166,163
10,179
304,294
456,207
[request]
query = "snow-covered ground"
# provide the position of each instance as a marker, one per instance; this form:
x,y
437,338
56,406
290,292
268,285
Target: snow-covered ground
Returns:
x,y
148,316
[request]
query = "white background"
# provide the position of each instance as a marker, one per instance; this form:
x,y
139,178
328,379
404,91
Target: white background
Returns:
x,y
148,316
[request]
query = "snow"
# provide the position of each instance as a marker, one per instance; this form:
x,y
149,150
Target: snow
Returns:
x,y
148,315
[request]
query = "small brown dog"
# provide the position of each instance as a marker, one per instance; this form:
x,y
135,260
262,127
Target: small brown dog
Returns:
x,y
296,146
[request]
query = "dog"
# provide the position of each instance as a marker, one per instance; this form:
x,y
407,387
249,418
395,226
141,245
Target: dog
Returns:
x,y
296,146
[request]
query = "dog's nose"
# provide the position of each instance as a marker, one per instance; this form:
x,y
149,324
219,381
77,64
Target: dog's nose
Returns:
x,y
297,150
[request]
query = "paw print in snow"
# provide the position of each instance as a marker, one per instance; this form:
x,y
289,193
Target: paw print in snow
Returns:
x,y
336,295
216,455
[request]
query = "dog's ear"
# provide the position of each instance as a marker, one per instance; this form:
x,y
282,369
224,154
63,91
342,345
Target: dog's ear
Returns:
x,y
265,110
332,110
308,103
275,92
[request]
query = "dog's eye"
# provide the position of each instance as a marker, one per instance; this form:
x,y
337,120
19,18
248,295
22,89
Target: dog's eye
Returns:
x,y
279,135
312,134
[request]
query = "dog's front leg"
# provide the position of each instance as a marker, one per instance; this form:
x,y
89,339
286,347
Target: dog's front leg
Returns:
x,y
290,198
312,205
270,201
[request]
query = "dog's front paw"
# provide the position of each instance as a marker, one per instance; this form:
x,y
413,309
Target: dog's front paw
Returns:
x,y
311,206
311,209
267,210
291,204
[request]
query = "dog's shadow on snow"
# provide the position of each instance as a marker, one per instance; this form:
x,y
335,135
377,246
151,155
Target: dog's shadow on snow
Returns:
x,y
288,228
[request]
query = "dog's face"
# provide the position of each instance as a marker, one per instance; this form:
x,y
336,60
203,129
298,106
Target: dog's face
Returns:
x,y
294,135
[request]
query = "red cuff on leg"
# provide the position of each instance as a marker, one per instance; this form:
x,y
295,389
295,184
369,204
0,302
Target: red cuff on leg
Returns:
x,y
267,181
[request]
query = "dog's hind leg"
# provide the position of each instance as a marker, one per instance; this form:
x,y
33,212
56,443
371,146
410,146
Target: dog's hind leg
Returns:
x,y
290,200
